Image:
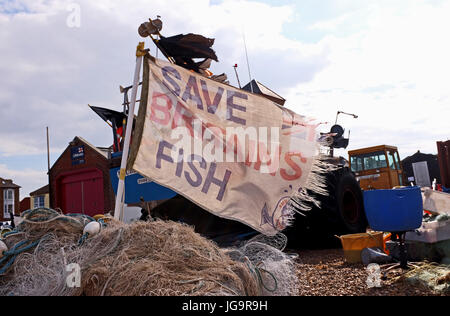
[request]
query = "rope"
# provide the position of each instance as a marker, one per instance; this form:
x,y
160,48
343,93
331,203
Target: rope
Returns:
x,y
14,232
7,265
83,239
257,271
15,251
45,216
83,216
43,210
102,222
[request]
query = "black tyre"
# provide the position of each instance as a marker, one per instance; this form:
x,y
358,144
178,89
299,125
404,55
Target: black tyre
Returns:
x,y
340,213
350,204
223,231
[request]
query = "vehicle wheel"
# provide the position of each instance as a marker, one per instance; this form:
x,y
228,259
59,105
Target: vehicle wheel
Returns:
x,y
340,213
350,204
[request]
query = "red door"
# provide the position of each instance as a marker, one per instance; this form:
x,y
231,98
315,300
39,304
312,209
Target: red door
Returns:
x,y
93,196
82,192
73,197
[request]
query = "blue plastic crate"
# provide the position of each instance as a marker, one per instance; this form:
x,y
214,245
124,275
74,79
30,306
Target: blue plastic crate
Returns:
x,y
394,210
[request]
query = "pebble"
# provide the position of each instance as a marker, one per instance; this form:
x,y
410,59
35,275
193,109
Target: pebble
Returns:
x,y
325,273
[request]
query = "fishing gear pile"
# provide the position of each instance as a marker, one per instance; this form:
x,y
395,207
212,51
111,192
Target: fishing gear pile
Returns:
x,y
142,258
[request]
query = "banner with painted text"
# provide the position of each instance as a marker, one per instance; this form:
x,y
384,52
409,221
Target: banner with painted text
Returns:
x,y
236,154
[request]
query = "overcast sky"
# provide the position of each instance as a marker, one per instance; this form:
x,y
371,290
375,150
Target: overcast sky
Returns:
x,y
388,61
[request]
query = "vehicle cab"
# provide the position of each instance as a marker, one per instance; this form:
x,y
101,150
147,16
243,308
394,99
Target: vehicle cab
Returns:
x,y
377,167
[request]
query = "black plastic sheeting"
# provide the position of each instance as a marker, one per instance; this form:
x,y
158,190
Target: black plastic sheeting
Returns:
x,y
184,48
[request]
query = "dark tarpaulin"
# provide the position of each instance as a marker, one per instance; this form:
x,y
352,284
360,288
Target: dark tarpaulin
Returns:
x,y
109,115
183,48
116,119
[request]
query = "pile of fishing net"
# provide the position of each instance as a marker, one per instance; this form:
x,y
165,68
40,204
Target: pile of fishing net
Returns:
x,y
142,258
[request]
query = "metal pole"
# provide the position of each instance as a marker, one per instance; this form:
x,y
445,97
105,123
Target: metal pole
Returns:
x,y
118,211
50,195
237,77
248,64
339,112
48,152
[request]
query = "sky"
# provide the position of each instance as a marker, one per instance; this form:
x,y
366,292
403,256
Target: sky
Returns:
x,y
387,61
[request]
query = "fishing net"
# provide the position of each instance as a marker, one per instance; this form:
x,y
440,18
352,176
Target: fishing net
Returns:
x,y
274,269
143,258
431,275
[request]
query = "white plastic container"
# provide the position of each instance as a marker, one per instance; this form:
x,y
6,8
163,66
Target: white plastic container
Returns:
x,y
430,232
436,201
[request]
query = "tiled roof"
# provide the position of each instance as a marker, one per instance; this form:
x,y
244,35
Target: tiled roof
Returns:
x,y
8,184
41,191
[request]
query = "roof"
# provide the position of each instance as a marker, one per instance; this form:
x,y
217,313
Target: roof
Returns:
x,y
258,88
8,184
371,149
432,164
418,156
41,191
103,151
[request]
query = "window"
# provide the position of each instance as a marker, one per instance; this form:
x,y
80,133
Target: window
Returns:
x,y
397,158
369,161
8,203
391,161
39,201
394,162
356,163
8,194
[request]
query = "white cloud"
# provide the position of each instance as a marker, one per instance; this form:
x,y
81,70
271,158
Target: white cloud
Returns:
x,y
29,179
52,71
393,73
333,24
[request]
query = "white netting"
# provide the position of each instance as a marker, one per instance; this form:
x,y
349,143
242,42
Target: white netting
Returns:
x,y
274,269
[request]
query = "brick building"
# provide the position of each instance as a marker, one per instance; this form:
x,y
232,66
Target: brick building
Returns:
x,y
9,199
79,180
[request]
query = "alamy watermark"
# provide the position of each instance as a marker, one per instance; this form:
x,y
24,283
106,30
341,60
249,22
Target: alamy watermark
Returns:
x,y
233,144
74,18
73,279
374,277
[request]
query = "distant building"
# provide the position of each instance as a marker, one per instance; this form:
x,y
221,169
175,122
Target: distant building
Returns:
x,y
432,163
9,199
40,198
24,205
80,181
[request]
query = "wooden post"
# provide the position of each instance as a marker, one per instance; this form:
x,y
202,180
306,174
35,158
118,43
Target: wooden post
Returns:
x,y
50,195
120,198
